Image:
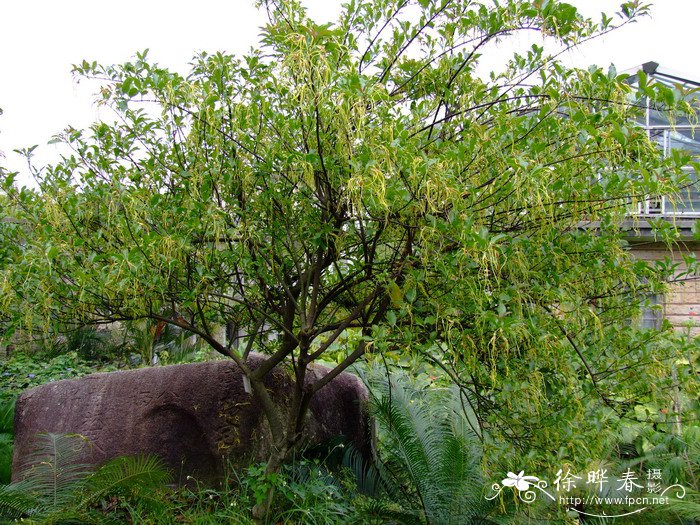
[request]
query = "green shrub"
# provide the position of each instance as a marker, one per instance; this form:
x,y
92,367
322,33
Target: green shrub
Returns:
x,y
6,450
7,414
22,371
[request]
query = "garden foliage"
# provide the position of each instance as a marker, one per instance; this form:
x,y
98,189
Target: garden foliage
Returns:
x,y
363,181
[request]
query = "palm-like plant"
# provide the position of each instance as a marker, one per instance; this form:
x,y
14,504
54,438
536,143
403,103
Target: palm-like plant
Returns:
x,y
55,487
430,451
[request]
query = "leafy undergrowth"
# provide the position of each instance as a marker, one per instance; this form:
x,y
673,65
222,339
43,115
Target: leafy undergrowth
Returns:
x,y
428,469
22,371
54,488
427,473
304,493
7,412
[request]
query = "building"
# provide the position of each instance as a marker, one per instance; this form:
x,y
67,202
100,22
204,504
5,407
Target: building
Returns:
x,y
681,305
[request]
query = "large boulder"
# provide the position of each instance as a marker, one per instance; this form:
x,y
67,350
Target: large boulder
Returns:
x,y
196,417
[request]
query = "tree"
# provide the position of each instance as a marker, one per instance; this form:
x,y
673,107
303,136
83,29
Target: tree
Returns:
x,y
361,178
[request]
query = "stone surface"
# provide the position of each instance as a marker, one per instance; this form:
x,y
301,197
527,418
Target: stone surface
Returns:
x,y
194,416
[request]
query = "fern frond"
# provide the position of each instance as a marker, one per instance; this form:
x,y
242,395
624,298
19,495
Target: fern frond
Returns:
x,y
137,476
52,472
434,447
6,449
388,512
368,476
7,416
16,503
56,489
686,510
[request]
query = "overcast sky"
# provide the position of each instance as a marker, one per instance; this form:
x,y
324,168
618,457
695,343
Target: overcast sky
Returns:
x,y
41,39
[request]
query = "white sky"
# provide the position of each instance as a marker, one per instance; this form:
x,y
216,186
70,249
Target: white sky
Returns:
x,y
41,39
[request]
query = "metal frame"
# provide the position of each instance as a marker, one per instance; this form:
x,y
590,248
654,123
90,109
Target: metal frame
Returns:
x,y
662,206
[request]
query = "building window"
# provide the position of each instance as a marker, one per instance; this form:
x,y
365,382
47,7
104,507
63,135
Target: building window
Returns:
x,y
687,201
651,315
677,133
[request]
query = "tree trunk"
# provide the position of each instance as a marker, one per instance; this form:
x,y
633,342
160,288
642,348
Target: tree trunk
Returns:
x,y
274,465
285,439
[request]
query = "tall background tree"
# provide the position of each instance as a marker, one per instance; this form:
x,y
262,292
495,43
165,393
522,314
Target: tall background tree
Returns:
x,y
359,182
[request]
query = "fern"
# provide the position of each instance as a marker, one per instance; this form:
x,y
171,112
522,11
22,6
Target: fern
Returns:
x,y
369,477
15,503
52,472
432,452
136,477
7,413
7,416
687,509
55,487
6,449
388,511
